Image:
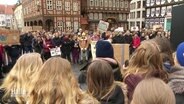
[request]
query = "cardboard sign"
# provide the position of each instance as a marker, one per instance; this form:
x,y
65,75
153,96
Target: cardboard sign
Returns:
x,y
156,27
55,51
121,52
26,29
103,26
37,28
135,28
9,36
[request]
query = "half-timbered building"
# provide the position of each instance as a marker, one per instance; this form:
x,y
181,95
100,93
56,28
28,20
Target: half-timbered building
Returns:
x,y
52,14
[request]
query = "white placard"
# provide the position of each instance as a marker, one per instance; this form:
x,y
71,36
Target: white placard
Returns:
x,y
55,51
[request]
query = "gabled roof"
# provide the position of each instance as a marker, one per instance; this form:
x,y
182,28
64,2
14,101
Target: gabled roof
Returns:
x,y
6,9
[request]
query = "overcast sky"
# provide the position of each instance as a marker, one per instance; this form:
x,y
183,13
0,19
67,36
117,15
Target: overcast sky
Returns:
x,y
9,2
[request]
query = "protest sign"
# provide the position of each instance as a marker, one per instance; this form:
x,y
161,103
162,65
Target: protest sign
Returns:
x,y
37,28
135,28
55,51
93,49
121,52
26,29
103,26
9,36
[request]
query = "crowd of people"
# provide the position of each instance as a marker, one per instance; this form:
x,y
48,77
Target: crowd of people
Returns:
x,y
154,74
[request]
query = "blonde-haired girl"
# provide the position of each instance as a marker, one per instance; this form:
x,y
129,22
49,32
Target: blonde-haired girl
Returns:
x,y
14,87
55,84
145,62
153,91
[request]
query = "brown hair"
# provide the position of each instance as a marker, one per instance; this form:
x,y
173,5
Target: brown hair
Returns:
x,y
146,61
100,79
153,91
165,49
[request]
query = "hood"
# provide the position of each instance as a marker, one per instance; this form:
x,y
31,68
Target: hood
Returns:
x,y
176,81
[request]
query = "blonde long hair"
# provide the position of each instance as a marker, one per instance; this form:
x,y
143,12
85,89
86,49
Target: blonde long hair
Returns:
x,y
146,61
153,91
55,84
20,76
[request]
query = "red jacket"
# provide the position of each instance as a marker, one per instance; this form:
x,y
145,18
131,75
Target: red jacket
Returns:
x,y
136,42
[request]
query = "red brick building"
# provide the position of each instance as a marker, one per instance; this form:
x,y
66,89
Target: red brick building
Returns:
x,y
52,14
113,11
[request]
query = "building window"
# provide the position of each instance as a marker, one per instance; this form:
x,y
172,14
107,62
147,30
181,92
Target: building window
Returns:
x,y
147,2
148,12
106,3
59,5
152,2
114,3
101,3
122,4
117,3
144,4
158,2
75,6
157,11
96,2
60,25
124,17
49,5
95,16
139,4
110,3
68,25
126,4
143,14
67,6
120,16
138,14
91,3
163,1
100,16
91,16
76,26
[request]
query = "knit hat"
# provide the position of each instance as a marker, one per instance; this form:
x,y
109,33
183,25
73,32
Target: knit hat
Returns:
x,y
180,54
104,49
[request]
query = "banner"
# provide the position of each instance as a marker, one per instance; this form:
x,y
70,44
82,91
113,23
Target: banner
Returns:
x,y
135,28
37,28
103,26
9,36
26,29
55,51
93,49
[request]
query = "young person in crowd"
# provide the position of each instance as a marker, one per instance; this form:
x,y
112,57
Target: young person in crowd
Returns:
x,y
176,79
47,45
145,62
104,51
75,49
60,87
153,91
102,86
15,86
166,53
66,48
37,44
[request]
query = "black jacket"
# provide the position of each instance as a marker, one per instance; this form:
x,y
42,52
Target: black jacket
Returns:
x,y
115,66
115,97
